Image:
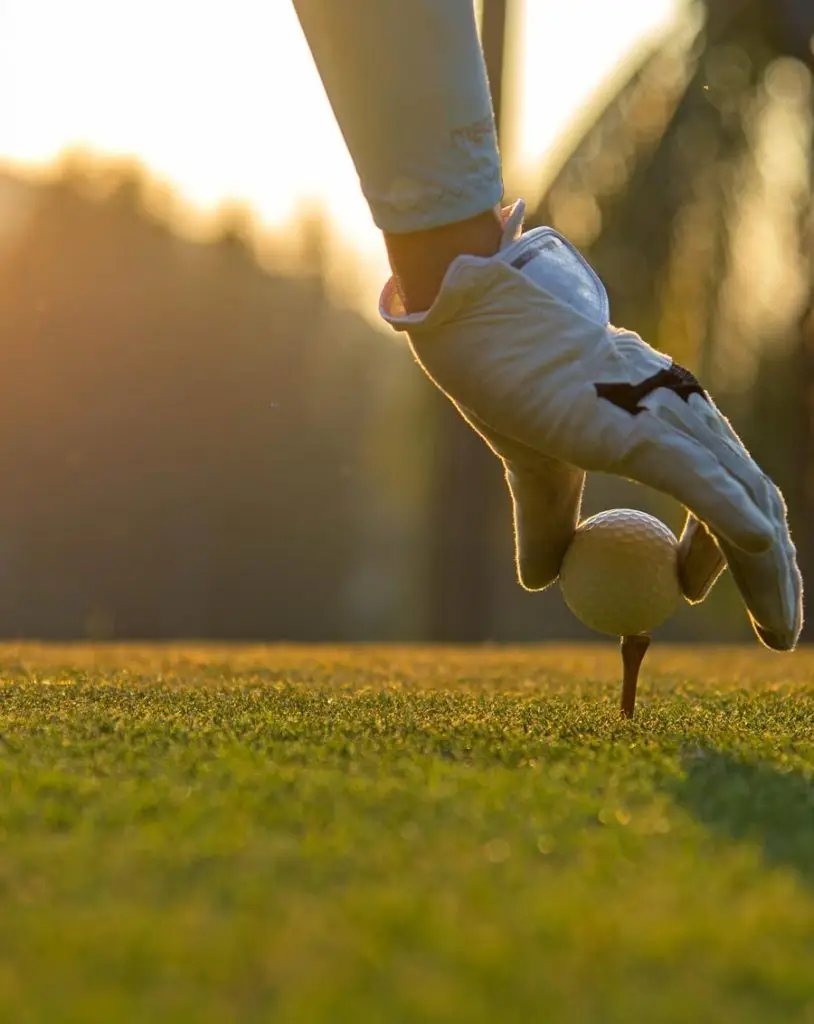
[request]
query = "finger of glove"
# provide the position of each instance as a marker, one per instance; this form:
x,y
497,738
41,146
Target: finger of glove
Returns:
x,y
700,560
694,473
778,569
769,581
772,590
679,465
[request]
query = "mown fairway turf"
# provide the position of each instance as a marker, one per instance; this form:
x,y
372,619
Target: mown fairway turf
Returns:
x,y
383,835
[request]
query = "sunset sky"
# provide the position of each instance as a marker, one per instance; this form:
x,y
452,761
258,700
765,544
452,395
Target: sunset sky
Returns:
x,y
223,101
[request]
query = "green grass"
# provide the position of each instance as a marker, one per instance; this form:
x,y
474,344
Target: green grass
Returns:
x,y
386,835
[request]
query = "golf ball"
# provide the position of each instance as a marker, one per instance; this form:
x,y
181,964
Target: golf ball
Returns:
x,y
620,572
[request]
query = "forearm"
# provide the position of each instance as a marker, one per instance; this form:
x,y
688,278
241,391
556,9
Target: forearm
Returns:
x,y
408,86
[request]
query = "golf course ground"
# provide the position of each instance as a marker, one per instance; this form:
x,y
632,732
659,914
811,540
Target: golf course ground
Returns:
x,y
382,834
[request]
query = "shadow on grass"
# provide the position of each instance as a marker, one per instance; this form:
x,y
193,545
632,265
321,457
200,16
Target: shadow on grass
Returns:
x,y
752,800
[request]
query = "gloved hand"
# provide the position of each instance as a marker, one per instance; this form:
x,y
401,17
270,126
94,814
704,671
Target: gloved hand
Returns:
x,y
521,343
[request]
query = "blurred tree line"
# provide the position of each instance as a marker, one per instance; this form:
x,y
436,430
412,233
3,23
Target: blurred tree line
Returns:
x,y
199,439
189,442
691,189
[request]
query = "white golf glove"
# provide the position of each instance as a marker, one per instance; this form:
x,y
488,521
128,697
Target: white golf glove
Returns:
x,y
522,344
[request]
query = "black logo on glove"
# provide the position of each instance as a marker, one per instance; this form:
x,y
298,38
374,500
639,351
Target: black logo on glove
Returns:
x,y
628,396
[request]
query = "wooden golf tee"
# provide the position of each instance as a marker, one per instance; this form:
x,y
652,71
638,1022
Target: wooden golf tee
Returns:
x,y
634,649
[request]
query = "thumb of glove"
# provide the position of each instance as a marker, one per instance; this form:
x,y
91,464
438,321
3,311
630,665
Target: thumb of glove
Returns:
x,y
546,498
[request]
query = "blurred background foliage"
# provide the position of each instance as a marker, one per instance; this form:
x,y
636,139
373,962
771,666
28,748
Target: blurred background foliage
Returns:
x,y
199,439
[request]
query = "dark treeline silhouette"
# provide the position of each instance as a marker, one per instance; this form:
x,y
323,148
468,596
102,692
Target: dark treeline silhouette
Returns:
x,y
195,445
183,435
692,191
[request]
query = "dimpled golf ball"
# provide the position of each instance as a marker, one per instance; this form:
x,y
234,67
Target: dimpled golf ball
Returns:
x,y
620,573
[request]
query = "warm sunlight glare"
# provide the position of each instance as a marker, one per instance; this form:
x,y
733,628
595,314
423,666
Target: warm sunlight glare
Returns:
x,y
224,102
564,51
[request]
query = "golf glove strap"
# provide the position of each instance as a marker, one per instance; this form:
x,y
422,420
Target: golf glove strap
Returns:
x,y
522,344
